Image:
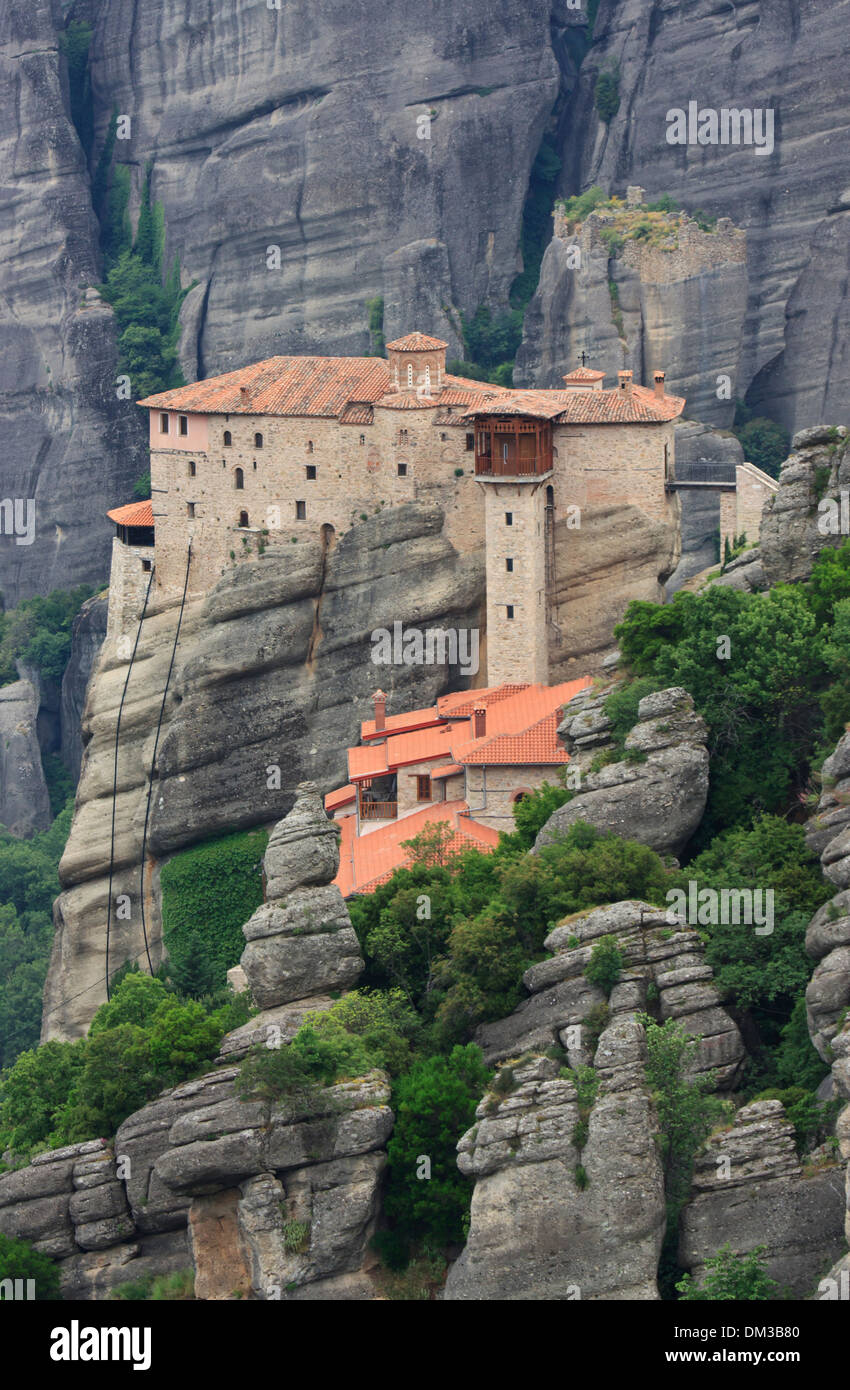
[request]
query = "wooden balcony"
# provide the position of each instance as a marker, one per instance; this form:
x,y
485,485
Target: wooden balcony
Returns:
x,y
378,810
510,447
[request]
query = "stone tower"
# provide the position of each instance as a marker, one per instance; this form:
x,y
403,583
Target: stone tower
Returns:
x,y
514,513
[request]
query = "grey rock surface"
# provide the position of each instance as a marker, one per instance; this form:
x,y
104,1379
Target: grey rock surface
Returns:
x,y
804,517
763,1197
658,802
539,1231
24,802
87,634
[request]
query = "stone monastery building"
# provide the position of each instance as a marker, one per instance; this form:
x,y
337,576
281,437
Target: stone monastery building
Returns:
x,y
306,446
465,761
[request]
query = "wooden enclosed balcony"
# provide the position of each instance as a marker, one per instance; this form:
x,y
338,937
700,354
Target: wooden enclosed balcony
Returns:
x,y
508,447
378,810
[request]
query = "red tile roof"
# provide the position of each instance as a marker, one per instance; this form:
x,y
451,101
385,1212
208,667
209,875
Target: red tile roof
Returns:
x,y
356,414
342,797
134,514
370,859
641,406
450,770
315,386
585,374
416,342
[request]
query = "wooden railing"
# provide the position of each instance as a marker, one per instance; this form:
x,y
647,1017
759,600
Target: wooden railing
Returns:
x,y
488,467
379,810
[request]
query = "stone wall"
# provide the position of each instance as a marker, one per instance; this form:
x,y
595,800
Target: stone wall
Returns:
x,y
517,646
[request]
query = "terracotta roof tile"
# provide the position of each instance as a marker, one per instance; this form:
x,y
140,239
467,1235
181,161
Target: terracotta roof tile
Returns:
x,y
342,797
366,861
134,514
314,386
585,374
641,406
416,342
357,414
450,770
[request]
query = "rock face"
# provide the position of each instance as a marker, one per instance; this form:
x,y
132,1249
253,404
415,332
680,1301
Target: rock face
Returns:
x,y
762,1196
793,203
794,528
87,634
69,444
659,801
24,802
301,940
557,1215
681,310
272,671
70,1204
374,181
664,972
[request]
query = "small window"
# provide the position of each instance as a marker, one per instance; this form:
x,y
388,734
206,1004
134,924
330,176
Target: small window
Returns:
x,y
444,437
402,470
402,436
239,479
309,446
311,471
470,443
192,470
146,566
510,609
163,423
255,465
509,518
258,441
410,373
183,424
300,511
243,519
423,788
190,509
362,439
509,564
228,439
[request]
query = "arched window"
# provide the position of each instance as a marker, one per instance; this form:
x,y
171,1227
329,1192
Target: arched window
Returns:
x,y
410,373
239,481
428,379
192,470
309,446
243,519
228,439
258,441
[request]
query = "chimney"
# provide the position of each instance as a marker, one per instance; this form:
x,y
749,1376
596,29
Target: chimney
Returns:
x,y
625,380
479,723
243,395
379,700
658,378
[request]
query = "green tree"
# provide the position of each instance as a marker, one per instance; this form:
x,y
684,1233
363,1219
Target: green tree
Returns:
x,y
606,94
605,965
765,443
737,1278
534,809
18,1260
34,1092
434,1103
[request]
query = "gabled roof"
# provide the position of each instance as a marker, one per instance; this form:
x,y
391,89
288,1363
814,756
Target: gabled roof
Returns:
x,y
315,386
416,342
134,514
640,406
366,861
585,374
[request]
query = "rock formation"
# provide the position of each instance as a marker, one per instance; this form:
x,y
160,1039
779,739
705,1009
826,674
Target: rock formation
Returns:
x,y
558,1214
272,671
794,529
658,801
87,634
263,1200
664,973
762,1196
793,204
24,802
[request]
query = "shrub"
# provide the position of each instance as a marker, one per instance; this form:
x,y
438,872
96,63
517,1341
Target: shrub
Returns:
x,y
765,443
606,964
606,94
741,1278
18,1260
212,889
434,1104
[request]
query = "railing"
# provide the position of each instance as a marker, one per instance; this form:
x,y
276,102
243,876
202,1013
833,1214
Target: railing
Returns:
x,y
378,810
488,467
702,473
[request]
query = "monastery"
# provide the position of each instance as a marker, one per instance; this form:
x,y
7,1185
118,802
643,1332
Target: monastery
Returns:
x,y
306,446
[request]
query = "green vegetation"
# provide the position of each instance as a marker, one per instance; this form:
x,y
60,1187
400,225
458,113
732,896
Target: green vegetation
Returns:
x,y
18,1260
28,885
605,965
536,220
179,1286
490,342
208,892
38,633
606,93
144,1039
742,1278
765,443
74,45
375,310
